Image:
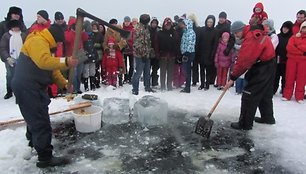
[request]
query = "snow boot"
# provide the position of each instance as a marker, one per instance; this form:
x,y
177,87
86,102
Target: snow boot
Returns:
x,y
260,120
54,161
8,95
86,84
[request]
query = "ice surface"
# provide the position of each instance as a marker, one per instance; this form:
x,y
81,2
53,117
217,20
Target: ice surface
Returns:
x,y
150,111
116,110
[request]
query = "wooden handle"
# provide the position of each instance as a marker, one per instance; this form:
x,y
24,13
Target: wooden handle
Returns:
x,y
76,46
216,104
74,107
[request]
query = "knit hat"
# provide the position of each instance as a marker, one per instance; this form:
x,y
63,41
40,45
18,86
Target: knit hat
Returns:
x,y
58,16
223,15
43,14
127,19
237,26
176,18
144,19
14,10
113,21
225,35
13,23
270,24
57,33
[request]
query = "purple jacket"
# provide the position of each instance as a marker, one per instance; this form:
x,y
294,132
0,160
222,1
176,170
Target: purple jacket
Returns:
x,y
220,59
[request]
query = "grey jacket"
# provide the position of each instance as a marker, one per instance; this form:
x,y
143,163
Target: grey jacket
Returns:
x,y
5,44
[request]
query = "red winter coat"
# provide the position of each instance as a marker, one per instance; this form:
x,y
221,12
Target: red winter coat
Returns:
x,y
260,16
297,47
110,63
69,41
296,27
256,46
220,59
129,48
39,27
296,68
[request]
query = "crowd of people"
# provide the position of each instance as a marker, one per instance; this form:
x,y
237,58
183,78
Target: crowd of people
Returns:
x,y
170,54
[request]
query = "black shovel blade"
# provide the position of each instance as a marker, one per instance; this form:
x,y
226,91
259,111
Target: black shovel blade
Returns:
x,y
204,126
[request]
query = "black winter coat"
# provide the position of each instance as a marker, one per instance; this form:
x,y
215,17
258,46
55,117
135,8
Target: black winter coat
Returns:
x,y
281,50
168,43
207,44
89,49
226,27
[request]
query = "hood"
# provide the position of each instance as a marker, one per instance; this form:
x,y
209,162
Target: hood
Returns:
x,y
289,25
302,25
71,22
167,20
188,23
210,17
259,5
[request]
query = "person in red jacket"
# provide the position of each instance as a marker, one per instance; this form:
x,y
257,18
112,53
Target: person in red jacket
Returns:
x,y
300,18
256,56
296,66
112,63
69,43
259,15
128,50
42,21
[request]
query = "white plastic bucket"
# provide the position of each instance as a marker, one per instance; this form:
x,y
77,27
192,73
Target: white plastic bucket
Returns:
x,y
88,119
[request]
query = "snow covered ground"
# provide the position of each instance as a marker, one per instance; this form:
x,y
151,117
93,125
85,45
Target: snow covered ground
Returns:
x,y
286,139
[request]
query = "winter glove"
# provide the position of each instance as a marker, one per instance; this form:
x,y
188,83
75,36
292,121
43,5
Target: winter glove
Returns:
x,y
304,54
11,61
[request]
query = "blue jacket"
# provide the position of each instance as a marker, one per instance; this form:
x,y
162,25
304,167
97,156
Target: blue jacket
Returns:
x,y
189,38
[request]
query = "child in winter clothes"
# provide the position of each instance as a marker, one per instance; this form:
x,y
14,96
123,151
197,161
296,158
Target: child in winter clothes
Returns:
x,y
259,15
10,47
223,62
112,63
296,66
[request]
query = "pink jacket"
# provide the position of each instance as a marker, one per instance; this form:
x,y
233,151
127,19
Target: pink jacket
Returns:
x,y
220,59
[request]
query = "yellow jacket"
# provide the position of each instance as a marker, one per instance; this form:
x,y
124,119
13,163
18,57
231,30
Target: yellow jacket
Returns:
x,y
37,47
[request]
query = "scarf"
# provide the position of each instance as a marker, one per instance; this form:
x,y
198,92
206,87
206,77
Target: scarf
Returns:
x,y
15,44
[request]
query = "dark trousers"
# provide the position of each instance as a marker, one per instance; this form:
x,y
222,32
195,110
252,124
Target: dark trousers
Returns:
x,y
213,75
187,67
129,72
258,93
166,68
9,76
280,73
206,73
195,72
33,105
154,67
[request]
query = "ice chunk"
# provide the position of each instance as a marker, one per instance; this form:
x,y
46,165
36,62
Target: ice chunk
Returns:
x,y
116,110
151,111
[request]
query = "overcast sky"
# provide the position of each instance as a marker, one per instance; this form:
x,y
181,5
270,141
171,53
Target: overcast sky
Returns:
x,y
278,10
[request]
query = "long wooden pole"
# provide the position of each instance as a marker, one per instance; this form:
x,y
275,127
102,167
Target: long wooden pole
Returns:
x,y
74,107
